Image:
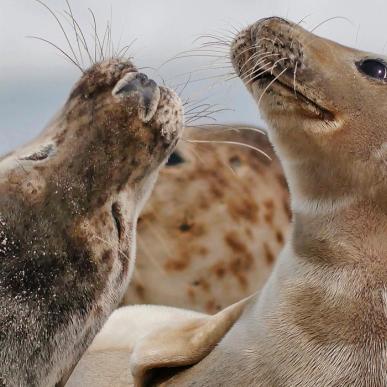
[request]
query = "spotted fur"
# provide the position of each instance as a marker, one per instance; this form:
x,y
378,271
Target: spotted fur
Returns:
x,y
69,203
214,224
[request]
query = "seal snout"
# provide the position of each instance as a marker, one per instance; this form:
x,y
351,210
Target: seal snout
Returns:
x,y
266,48
138,86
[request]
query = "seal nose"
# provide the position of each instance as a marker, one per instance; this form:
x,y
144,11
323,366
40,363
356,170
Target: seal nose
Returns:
x,y
133,82
144,90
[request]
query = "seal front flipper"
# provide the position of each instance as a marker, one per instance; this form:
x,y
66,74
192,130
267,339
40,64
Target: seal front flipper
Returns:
x,y
161,354
145,344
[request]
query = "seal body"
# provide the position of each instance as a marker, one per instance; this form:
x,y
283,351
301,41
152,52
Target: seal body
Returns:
x,y
214,224
69,204
320,320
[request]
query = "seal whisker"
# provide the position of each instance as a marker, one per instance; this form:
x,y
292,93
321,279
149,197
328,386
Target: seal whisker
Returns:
x,y
255,67
265,71
58,48
148,255
81,34
260,151
330,19
111,31
96,38
62,28
112,245
231,128
75,31
255,72
303,19
268,86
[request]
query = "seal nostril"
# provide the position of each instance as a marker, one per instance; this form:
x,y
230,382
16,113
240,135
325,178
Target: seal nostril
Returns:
x,y
142,77
116,212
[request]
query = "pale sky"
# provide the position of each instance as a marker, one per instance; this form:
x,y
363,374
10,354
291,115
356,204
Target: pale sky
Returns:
x,y
35,79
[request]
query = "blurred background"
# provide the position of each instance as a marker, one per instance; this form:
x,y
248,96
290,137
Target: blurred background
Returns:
x,y
167,36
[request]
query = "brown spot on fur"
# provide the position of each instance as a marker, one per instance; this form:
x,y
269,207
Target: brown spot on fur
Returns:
x,y
268,254
176,264
243,259
211,306
279,236
204,285
140,290
191,294
107,257
287,209
219,269
234,243
243,208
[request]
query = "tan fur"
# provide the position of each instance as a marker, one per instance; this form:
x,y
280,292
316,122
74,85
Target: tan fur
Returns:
x,y
321,319
214,224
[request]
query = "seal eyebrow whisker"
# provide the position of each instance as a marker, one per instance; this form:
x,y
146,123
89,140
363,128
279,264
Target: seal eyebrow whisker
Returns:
x,y
81,34
75,31
124,50
96,37
330,19
58,48
110,34
303,19
63,30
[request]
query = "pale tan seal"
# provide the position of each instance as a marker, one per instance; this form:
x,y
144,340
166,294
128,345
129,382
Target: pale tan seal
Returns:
x,y
69,203
321,320
214,224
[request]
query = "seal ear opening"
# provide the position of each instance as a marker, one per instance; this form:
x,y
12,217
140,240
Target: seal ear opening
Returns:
x,y
169,350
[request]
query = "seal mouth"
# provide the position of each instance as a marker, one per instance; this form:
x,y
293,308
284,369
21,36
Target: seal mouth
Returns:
x,y
278,85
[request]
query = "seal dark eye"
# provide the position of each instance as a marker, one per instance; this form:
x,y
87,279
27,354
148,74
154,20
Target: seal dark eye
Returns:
x,y
174,159
374,68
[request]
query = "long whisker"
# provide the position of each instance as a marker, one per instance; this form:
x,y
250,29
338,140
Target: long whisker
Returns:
x,y
75,30
111,245
83,40
268,86
62,28
59,49
230,143
96,38
231,128
330,19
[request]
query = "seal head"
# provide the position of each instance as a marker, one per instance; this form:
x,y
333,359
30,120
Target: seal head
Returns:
x,y
69,203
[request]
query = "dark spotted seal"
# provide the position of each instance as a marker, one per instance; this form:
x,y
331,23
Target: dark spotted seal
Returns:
x,y
69,203
220,215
